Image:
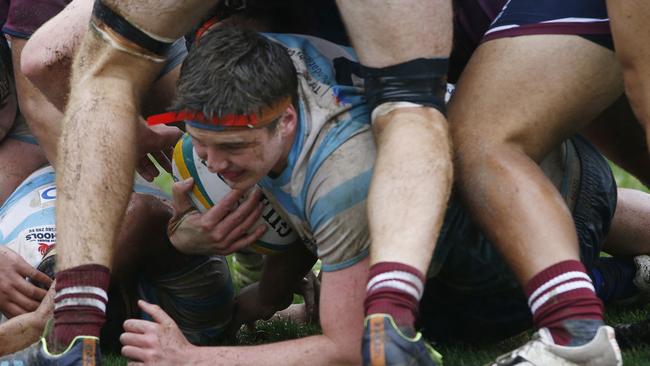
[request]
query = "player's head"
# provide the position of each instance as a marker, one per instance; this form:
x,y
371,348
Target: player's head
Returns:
x,y
243,87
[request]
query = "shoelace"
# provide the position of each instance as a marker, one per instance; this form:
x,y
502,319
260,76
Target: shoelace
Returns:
x,y
519,351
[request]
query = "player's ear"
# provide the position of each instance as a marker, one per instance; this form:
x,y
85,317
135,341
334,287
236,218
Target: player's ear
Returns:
x,y
289,121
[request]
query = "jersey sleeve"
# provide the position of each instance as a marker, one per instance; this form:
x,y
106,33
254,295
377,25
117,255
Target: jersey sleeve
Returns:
x,y
337,203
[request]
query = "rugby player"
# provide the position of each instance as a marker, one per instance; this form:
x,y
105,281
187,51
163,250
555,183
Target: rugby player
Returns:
x,y
420,35
196,290
501,132
270,150
282,121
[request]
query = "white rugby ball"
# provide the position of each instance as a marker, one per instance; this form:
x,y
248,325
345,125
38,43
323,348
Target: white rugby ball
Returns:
x,y
209,189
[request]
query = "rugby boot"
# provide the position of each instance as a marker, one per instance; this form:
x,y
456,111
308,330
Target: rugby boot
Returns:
x,y
642,277
384,344
82,351
602,350
633,334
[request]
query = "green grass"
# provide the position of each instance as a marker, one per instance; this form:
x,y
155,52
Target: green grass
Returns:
x,y
457,354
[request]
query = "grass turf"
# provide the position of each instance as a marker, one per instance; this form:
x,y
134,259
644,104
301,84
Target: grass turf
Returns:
x,y
457,354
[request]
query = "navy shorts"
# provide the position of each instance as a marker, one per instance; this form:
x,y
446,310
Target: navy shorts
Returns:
x,y
473,295
585,18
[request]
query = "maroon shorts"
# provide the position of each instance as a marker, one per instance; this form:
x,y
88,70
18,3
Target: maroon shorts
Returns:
x,y
585,18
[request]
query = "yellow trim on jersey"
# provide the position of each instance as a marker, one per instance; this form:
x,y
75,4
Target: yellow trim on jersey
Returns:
x,y
179,159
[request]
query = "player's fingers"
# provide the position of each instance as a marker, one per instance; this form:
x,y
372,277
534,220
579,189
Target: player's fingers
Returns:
x,y
26,295
47,305
136,354
239,215
243,227
180,191
251,204
134,339
10,310
36,276
157,314
247,240
217,213
139,326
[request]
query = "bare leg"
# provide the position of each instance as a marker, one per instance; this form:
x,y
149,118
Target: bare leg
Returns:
x,y
504,121
412,175
518,98
617,135
631,31
629,234
97,154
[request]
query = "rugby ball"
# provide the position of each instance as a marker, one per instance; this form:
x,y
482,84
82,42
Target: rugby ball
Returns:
x,y
209,189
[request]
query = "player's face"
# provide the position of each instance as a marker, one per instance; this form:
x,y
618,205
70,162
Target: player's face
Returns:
x,y
242,157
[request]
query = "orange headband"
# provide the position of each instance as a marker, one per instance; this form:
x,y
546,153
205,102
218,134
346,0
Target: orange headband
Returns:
x,y
198,119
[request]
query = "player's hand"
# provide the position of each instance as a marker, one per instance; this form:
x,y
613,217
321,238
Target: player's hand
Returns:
x,y
223,229
157,342
158,141
45,309
17,295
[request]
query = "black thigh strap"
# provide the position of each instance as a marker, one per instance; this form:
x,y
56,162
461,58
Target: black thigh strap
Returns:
x,y
122,26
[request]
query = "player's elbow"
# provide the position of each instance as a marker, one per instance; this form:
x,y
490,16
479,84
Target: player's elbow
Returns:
x,y
31,62
40,65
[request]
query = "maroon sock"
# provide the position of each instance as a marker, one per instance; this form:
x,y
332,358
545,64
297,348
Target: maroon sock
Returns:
x,y
394,288
80,302
562,292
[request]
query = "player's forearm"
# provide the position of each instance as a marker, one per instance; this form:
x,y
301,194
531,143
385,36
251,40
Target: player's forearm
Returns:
x,y
19,332
315,350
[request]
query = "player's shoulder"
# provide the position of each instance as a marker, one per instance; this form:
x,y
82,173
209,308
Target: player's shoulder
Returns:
x,y
303,46
39,187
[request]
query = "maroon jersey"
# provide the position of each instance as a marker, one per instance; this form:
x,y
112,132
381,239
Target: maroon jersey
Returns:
x,y
21,18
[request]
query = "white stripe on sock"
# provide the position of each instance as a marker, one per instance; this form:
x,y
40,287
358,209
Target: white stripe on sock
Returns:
x,y
398,285
555,280
80,290
566,287
398,275
75,301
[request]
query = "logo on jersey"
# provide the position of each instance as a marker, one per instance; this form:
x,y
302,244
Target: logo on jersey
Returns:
x,y
44,247
42,235
274,220
47,194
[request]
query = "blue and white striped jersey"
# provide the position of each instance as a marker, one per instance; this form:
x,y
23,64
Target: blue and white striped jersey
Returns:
x,y
323,190
27,218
